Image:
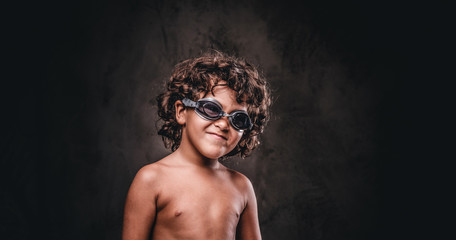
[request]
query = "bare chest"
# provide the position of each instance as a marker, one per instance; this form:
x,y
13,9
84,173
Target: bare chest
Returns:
x,y
201,206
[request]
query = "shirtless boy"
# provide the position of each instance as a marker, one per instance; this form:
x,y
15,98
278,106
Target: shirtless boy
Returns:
x,y
215,106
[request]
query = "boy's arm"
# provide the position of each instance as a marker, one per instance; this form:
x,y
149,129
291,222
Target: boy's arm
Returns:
x,y
140,206
248,226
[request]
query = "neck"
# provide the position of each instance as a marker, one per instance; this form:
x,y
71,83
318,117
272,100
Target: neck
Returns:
x,y
187,155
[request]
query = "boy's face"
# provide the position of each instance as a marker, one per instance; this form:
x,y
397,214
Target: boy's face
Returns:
x,y
213,139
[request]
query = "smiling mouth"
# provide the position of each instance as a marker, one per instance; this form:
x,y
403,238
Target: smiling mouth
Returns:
x,y
218,136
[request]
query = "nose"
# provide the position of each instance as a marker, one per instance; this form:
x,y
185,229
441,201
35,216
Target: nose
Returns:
x,y
222,123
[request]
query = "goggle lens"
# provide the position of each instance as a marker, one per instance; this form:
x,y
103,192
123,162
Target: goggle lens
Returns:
x,y
210,109
241,120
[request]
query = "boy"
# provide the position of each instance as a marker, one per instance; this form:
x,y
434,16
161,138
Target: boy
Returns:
x,y
215,106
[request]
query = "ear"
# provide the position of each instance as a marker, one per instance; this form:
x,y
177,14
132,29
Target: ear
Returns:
x,y
181,112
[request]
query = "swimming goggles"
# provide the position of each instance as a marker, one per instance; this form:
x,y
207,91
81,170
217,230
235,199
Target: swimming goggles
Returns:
x,y
210,109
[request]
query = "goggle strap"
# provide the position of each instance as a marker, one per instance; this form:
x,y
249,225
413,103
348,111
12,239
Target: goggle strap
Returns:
x,y
189,103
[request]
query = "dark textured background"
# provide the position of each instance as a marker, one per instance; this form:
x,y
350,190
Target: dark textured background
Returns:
x,y
350,151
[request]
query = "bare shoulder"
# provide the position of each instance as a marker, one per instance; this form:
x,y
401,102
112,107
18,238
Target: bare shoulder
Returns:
x,y
149,178
149,173
241,181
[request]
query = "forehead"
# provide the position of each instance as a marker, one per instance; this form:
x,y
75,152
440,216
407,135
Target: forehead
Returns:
x,y
225,96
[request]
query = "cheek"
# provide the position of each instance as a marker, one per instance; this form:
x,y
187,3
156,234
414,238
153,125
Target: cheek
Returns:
x,y
197,122
236,137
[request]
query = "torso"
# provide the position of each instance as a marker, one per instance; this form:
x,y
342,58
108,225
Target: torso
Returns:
x,y
197,203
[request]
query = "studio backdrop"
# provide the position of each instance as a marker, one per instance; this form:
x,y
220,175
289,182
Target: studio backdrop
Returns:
x,y
81,111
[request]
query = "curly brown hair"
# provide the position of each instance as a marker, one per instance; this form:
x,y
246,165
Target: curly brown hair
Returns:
x,y
199,75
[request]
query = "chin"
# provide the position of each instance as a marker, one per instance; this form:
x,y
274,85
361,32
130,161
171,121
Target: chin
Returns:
x,y
213,153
